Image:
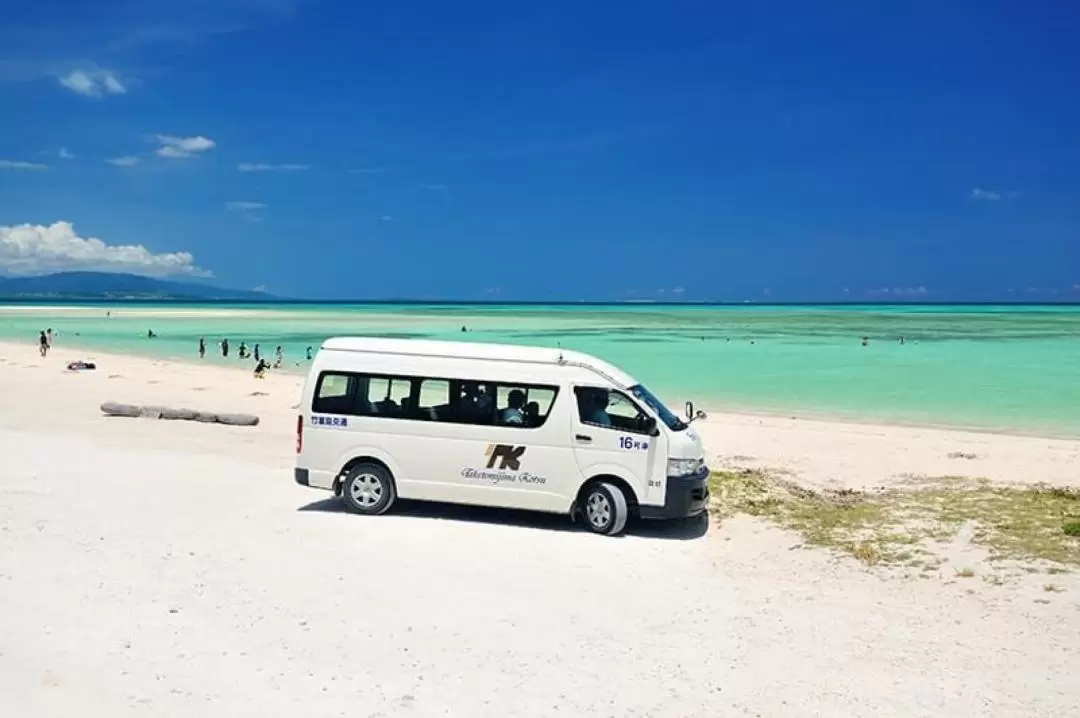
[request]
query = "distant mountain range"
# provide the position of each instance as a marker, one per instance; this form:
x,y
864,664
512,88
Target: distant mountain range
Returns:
x,y
106,285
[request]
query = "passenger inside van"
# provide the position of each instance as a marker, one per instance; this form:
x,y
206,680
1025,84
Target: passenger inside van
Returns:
x,y
514,414
476,405
387,407
532,413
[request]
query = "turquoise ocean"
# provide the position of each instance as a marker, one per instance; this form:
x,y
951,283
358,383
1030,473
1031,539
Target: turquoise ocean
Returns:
x,y
1011,368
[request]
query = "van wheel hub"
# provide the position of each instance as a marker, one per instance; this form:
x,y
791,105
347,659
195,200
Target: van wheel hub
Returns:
x,y
366,490
598,510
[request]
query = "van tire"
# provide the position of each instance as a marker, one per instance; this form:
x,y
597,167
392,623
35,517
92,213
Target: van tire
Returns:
x,y
368,489
604,509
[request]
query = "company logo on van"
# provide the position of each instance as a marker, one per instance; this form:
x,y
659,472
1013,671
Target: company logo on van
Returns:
x,y
510,456
503,466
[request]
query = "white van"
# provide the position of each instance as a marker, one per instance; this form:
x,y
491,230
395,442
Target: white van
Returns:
x,y
492,425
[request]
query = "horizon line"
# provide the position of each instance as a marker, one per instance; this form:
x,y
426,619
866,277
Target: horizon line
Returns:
x,y
488,302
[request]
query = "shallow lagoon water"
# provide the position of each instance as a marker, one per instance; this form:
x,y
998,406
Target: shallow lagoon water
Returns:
x,y
1014,368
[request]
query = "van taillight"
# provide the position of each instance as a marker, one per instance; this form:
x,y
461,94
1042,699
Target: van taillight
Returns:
x,y
299,433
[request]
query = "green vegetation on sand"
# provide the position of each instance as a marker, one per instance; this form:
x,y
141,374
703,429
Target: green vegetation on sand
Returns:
x,y
903,526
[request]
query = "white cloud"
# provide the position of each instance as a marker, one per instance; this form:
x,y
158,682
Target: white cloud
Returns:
x,y
64,154
260,288
366,171
128,161
387,218
37,249
20,165
171,152
93,82
986,195
995,195
919,291
112,85
250,211
177,147
263,167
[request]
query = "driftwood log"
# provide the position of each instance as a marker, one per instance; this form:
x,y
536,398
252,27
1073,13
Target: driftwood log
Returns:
x,y
112,408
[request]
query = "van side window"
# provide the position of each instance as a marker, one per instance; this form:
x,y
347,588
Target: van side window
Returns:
x,y
475,403
433,401
389,396
524,404
609,409
455,401
334,393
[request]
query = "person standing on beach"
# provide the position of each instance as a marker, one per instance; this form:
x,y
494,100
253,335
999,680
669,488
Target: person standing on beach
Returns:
x,y
242,352
309,353
225,347
279,357
43,344
256,352
202,347
48,335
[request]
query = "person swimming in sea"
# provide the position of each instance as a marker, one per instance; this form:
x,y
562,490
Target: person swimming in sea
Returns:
x,y
309,353
202,347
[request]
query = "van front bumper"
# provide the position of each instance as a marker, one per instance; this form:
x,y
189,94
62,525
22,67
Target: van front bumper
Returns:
x,y
685,496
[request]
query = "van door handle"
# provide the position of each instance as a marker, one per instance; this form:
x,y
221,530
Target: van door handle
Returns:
x,y
583,437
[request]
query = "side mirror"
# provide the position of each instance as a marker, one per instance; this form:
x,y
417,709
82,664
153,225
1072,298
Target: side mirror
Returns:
x,y
649,426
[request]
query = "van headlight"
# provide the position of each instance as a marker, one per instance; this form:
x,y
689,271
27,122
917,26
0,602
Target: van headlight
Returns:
x,y
684,467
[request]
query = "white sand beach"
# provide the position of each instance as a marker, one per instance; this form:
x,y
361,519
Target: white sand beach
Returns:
x,y
175,569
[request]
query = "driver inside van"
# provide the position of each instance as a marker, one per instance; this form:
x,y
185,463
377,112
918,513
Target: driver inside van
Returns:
x,y
594,407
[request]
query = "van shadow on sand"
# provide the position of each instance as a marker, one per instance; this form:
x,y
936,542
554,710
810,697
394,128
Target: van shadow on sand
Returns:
x,y
677,530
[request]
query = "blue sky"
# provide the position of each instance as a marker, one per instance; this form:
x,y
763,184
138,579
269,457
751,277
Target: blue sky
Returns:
x,y
556,150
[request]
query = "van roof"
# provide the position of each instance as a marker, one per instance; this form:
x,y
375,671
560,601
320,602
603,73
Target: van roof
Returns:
x,y
479,351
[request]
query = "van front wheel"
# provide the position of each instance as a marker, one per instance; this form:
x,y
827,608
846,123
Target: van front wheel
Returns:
x,y
604,508
368,489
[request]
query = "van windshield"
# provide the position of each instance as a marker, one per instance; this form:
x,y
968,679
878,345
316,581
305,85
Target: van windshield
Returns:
x,y
672,421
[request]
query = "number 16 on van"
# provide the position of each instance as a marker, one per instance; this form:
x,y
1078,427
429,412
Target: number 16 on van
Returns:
x,y
629,442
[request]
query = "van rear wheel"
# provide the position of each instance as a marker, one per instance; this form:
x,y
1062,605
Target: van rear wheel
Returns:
x,y
604,508
368,489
